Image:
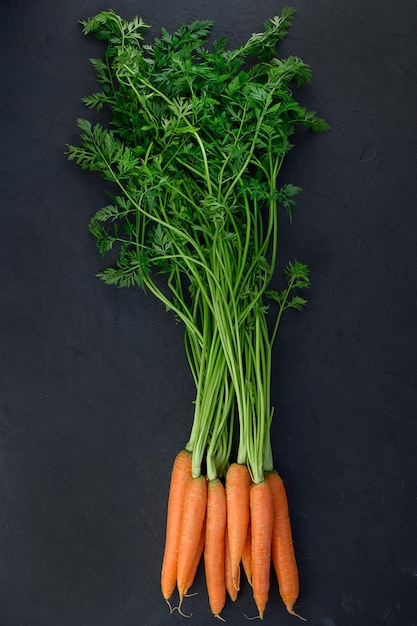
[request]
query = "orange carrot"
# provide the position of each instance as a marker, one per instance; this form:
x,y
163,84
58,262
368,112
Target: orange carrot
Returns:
x,y
247,556
231,589
261,517
197,559
214,550
195,503
283,556
237,495
181,472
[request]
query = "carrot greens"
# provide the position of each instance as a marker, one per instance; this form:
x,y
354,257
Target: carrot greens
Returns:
x,y
192,154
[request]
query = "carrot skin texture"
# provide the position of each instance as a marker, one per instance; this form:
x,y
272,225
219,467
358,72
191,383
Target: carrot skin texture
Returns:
x,y
247,557
283,556
197,559
181,472
195,504
231,589
238,482
262,518
214,550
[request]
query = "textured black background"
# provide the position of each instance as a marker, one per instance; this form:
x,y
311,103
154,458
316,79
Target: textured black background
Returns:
x,y
95,394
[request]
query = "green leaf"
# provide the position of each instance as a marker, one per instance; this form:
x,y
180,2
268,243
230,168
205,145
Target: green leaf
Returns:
x,y
263,44
286,196
160,240
104,240
109,26
277,296
297,303
102,71
297,274
132,269
96,100
109,212
282,71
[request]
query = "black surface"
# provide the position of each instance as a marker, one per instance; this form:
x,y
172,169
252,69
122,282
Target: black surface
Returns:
x,y
96,397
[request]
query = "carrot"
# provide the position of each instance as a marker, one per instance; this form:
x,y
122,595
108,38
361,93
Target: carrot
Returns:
x,y
231,589
180,474
214,550
283,556
197,559
261,512
195,503
237,495
247,556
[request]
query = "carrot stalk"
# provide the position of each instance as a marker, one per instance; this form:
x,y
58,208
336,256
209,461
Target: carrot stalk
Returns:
x,y
214,551
261,509
180,475
237,496
283,556
195,502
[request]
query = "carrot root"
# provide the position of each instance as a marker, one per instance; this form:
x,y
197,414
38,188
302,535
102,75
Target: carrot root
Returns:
x,y
238,482
214,551
231,589
219,617
178,608
283,556
195,502
171,608
262,518
247,557
196,563
253,617
181,472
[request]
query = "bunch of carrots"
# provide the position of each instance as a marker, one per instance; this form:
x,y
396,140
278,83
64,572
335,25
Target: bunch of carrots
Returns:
x,y
192,159
241,522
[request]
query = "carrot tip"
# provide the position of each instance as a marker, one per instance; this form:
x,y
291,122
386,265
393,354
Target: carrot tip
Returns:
x,y
178,608
219,617
292,612
260,616
171,608
232,596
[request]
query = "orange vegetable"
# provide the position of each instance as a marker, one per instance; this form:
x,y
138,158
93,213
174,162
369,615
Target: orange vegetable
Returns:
x,y
214,550
261,512
231,589
197,559
283,556
194,513
181,472
247,556
238,482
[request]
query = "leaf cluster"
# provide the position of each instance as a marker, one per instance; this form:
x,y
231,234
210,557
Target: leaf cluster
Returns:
x,y
168,98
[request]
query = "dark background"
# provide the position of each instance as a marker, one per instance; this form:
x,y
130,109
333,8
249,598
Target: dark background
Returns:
x,y
95,394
